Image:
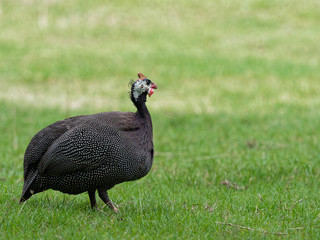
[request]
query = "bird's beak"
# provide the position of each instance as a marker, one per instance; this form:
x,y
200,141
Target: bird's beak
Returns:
x,y
151,89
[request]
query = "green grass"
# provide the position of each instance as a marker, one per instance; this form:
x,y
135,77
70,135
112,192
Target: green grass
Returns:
x,y
236,116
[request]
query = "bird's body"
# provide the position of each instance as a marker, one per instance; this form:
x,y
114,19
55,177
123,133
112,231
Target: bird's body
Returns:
x,y
91,152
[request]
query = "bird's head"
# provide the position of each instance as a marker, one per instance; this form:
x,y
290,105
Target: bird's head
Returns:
x,y
141,88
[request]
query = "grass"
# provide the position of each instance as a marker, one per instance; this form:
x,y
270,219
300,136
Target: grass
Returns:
x,y
236,115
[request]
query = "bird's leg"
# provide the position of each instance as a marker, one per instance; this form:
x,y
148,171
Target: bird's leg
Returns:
x,y
92,196
105,198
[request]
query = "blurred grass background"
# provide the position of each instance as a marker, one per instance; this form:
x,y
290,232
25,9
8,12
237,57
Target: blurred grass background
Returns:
x,y
237,105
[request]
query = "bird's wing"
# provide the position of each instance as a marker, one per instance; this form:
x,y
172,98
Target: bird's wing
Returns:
x,y
87,147
40,143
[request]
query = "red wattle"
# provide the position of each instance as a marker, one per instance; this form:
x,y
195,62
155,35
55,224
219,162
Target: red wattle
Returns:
x,y
150,92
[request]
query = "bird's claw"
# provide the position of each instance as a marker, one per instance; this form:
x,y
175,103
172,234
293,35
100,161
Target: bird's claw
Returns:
x,y
112,207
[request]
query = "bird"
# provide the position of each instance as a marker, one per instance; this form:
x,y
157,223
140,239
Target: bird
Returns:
x,y
92,153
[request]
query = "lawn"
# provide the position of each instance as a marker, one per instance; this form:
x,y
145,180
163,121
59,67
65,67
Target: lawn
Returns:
x,y
236,117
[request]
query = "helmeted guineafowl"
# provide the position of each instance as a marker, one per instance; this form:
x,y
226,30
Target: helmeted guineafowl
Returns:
x,y
92,152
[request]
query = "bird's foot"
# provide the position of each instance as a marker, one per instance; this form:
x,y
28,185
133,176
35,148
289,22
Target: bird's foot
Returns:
x,y
105,198
112,206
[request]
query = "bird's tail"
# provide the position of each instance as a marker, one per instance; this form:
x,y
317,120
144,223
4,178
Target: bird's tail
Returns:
x,y
26,191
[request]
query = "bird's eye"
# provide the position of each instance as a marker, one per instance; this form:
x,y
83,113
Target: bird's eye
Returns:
x,y
148,81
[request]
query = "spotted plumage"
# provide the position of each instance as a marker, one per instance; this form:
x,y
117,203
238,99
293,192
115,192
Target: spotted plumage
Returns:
x,y
92,152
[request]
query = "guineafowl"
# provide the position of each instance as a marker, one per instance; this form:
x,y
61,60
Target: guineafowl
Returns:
x,y
92,153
